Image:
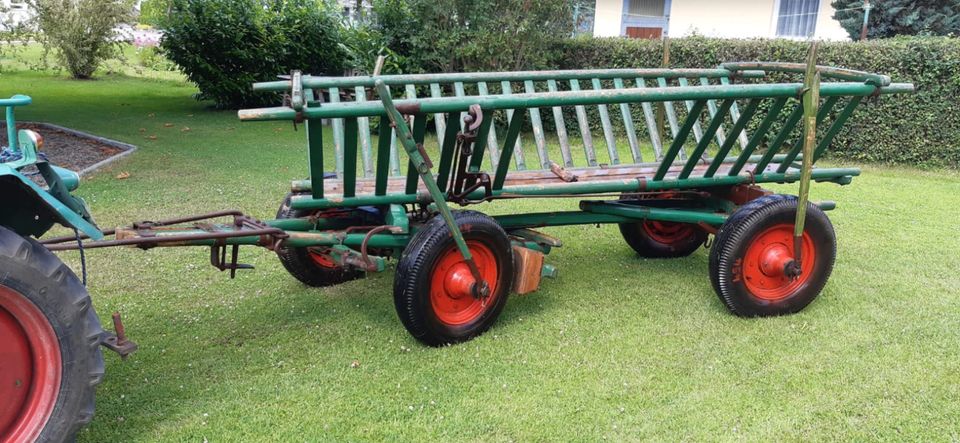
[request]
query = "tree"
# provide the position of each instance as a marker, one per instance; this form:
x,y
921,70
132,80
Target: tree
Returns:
x,y
890,18
80,32
470,35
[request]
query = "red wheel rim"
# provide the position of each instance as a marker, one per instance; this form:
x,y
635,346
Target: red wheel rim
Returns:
x,y
766,258
29,368
321,258
451,284
668,233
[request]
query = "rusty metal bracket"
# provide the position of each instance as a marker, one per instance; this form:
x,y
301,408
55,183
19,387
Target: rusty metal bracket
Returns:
x,y
464,182
117,341
218,258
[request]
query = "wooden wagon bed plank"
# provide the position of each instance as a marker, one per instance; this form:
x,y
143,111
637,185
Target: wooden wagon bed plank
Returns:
x,y
333,188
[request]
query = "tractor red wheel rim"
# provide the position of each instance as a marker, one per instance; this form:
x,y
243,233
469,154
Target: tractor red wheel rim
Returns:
x,y
765,261
29,368
668,233
451,285
322,258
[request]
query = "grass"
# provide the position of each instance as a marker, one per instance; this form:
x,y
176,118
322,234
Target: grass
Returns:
x,y
616,348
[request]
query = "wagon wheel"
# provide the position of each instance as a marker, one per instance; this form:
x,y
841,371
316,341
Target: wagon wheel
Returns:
x,y
433,286
313,266
663,239
50,359
751,262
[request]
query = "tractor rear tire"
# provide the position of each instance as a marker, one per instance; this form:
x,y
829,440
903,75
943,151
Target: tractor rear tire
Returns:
x,y
312,266
432,285
50,358
748,260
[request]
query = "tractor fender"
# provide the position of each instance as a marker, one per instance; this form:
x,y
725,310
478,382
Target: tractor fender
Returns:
x,y
29,209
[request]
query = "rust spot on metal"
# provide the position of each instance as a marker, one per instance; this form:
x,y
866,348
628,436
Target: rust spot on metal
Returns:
x,y
409,108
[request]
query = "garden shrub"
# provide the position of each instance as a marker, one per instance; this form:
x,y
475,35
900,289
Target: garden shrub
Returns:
x,y
226,45
81,33
922,128
457,35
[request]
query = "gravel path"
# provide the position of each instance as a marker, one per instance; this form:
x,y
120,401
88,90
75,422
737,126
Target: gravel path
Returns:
x,y
69,150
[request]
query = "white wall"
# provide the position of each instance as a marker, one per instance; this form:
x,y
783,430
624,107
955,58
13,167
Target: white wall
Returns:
x,y
607,18
719,18
827,27
722,18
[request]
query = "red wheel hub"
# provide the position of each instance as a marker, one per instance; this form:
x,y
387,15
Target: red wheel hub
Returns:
x,y
765,264
668,233
29,368
452,283
322,258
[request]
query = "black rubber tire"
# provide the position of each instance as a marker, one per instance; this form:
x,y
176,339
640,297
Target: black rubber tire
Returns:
x,y
646,246
298,263
28,268
411,287
736,235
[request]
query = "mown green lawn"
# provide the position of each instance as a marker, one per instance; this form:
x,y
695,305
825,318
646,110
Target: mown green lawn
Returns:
x,y
616,348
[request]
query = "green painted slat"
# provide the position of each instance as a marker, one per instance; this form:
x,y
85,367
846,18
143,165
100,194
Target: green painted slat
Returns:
x,y
439,118
798,145
350,128
712,128
394,154
476,159
446,150
682,134
697,131
737,129
773,114
513,133
712,109
652,128
584,125
492,147
836,126
607,127
507,89
537,125
318,82
337,125
672,116
561,128
628,125
314,129
735,114
383,156
419,130
788,126
364,125
459,92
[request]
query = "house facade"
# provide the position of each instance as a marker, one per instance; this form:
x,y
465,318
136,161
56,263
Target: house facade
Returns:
x,y
797,19
14,12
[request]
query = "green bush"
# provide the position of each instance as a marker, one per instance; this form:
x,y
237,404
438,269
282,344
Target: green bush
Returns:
x,y
153,11
80,32
920,129
226,45
457,35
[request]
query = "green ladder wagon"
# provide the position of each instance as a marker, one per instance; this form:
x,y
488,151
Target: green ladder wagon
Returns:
x,y
456,268
668,186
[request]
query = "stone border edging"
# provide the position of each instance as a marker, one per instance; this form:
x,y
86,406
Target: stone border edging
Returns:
x,y
127,148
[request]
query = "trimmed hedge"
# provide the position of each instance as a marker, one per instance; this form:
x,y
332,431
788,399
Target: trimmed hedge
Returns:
x,y
918,129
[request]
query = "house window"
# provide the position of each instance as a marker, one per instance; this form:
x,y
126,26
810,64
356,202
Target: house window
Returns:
x,y
797,18
648,8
